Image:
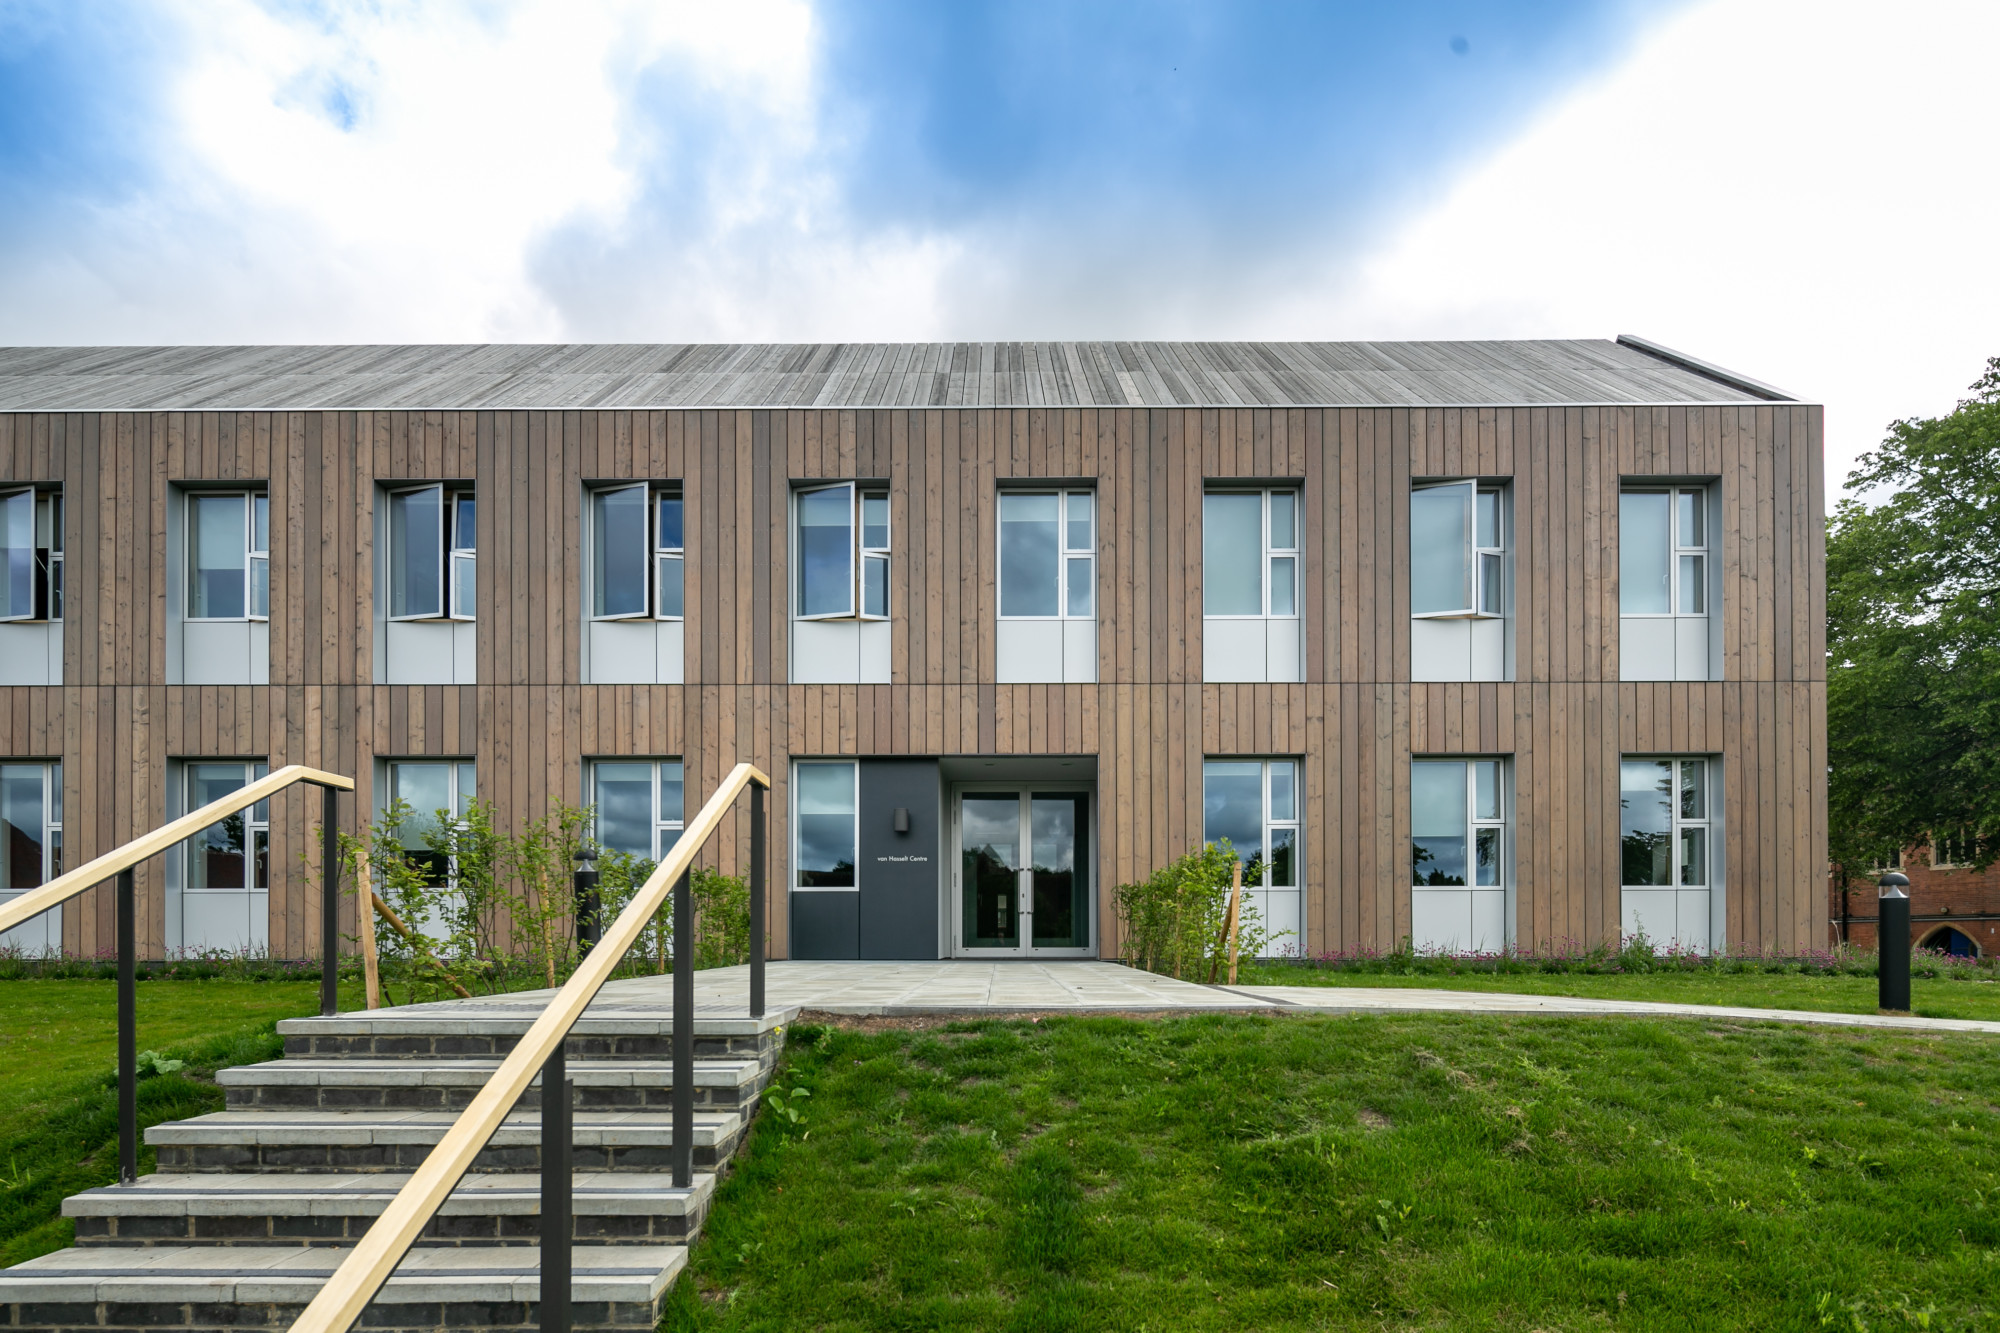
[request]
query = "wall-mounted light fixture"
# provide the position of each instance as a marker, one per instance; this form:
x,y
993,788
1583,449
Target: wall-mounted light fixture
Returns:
x,y
902,819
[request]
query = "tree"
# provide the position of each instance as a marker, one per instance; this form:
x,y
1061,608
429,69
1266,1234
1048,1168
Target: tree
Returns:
x,y
1913,638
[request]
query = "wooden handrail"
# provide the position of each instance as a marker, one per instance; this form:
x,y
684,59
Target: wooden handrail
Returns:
x,y
347,1293
92,873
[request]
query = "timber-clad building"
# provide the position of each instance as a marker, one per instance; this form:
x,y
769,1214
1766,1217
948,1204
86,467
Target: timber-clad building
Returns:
x,y
1476,645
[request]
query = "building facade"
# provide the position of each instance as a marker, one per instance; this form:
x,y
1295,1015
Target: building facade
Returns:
x,y
1476,645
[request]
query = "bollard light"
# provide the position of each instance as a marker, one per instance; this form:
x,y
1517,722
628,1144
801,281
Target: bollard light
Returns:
x,y
589,906
1892,944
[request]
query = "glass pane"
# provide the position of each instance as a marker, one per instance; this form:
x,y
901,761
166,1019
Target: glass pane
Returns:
x,y
1061,882
1694,793
1486,853
826,826
1080,521
672,584
1693,599
875,586
826,552
1489,586
1283,867
23,823
216,542
875,520
415,549
260,523
618,552
1232,555
466,788
667,535
1284,586
989,837
1645,800
1694,856
17,553
672,811
1441,549
426,787
1486,789
55,793
1232,806
1437,822
1284,521
1642,553
624,800
55,587
1082,584
464,586
1691,517
1029,542
1284,800
260,586
218,856
465,524
1487,508
260,813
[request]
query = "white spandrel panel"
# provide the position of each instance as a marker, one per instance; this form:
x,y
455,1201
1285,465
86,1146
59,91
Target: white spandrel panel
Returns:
x,y
1233,650
1440,650
826,652
31,654
218,652
1028,652
1079,651
1646,648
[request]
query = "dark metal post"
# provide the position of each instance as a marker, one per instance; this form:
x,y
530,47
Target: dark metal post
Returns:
x,y
1892,944
329,903
756,901
557,1095
128,1034
589,903
683,1033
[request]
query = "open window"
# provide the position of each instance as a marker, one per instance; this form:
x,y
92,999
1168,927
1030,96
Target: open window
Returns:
x,y
843,553
637,553
433,553
1457,550
31,555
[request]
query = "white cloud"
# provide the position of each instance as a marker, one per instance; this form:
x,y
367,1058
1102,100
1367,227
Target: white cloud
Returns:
x,y
1796,190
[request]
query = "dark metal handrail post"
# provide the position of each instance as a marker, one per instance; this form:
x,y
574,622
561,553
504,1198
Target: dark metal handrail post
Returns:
x,y
555,1270
128,1034
683,1033
329,904
756,901
1892,944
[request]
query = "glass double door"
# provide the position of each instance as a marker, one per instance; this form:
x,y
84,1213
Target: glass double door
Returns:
x,y
1023,867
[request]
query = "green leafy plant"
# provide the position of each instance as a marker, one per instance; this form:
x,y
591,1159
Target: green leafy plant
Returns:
x,y
1172,921
151,1064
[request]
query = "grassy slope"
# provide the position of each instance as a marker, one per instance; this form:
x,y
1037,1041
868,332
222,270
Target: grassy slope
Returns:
x,y
1761,990
1231,1172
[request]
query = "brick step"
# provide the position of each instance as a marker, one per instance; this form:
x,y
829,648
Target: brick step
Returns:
x,y
449,1084
489,1208
210,1287
492,1027
393,1140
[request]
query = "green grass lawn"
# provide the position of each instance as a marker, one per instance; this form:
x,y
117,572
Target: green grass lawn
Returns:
x,y
1423,1171
1932,998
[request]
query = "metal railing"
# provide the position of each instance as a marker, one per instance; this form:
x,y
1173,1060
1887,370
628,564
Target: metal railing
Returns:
x,y
540,1050
123,860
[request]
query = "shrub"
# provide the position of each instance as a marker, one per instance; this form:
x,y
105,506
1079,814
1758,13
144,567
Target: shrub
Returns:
x,y
1172,921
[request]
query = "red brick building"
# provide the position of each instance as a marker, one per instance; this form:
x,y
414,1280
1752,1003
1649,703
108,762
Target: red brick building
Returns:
x,y
1953,909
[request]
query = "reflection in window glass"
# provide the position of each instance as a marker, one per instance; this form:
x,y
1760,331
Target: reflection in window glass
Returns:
x,y
1232,547
233,853
826,826
637,805
218,546
1645,566
1254,804
1663,822
619,551
1441,549
1030,547
17,556
1438,822
826,552
30,824
416,549
1059,834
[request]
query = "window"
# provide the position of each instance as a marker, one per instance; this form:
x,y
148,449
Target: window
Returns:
x,y
433,568
1956,850
637,553
637,805
1254,803
1665,821
1457,550
1663,552
1456,823
229,563
227,861
825,817
31,828
843,553
31,555
1048,554
1250,543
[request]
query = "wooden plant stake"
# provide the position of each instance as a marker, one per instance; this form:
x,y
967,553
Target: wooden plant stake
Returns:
x,y
396,924
371,963
1226,938
1235,918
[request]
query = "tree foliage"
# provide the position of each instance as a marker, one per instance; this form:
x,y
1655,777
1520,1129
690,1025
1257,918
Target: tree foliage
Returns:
x,y
1913,638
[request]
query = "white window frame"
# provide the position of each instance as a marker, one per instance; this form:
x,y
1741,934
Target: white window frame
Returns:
x,y
666,832
461,555
453,557
1480,604
51,818
1066,554
655,554
1475,822
1271,554
45,548
663,554
456,797
1268,825
253,554
854,770
861,555
1677,823
256,819
1679,551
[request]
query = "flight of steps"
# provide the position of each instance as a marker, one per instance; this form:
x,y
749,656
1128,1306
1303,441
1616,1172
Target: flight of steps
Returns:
x,y
253,1206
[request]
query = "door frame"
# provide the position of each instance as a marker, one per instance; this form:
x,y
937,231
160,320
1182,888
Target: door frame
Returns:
x,y
954,888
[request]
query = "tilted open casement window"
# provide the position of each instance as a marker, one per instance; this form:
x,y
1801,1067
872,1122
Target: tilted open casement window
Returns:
x,y
433,554
31,556
843,553
229,556
1457,550
637,553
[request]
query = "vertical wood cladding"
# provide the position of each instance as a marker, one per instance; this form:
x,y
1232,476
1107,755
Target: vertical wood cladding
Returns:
x,y
1564,720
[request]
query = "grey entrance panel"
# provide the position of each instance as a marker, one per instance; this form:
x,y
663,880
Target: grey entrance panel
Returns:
x,y
898,871
823,925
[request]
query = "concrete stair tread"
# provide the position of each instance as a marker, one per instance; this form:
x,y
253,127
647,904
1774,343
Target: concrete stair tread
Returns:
x,y
512,1015
474,1071
346,1194
294,1274
613,1128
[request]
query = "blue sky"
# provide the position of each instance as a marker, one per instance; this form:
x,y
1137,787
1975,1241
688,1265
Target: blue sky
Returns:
x,y
1778,185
